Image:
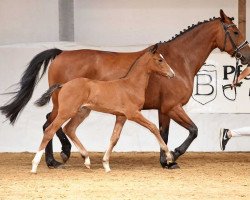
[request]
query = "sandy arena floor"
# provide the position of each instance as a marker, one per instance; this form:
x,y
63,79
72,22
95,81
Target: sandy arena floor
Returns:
x,y
134,176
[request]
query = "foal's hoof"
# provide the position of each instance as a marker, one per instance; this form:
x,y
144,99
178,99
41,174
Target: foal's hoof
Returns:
x,y
64,157
53,164
87,162
106,166
172,165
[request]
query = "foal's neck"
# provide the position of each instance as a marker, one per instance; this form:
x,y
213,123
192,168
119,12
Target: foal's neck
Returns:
x,y
139,73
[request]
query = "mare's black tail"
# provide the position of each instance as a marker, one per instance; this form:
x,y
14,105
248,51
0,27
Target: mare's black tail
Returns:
x,y
44,99
27,84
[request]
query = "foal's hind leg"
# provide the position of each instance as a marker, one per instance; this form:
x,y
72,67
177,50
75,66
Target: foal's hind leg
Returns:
x,y
70,130
66,146
48,135
138,117
120,120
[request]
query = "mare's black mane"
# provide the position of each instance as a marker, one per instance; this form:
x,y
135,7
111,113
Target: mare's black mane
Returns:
x,y
191,28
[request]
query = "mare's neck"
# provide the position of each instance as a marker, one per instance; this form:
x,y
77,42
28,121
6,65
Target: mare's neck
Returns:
x,y
193,47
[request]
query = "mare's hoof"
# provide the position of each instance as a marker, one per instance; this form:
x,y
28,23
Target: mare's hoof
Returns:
x,y
64,157
173,165
65,154
53,164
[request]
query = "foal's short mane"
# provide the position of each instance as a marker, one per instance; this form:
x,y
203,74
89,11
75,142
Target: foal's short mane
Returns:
x,y
131,66
192,27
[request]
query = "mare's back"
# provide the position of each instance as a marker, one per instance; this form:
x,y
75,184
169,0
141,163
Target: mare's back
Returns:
x,y
93,64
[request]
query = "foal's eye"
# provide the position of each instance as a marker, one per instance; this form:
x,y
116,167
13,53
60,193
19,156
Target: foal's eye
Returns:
x,y
236,33
160,60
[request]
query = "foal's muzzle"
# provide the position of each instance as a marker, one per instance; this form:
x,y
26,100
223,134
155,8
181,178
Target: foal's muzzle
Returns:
x,y
171,74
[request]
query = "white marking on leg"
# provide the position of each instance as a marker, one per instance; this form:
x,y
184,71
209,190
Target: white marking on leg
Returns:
x,y
106,166
36,161
84,153
169,157
105,161
87,162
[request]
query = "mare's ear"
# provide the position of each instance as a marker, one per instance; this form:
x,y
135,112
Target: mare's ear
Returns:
x,y
223,16
154,49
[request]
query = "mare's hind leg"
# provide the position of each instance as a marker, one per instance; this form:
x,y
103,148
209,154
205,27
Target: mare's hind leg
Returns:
x,y
70,130
138,117
180,116
66,147
48,135
120,120
164,123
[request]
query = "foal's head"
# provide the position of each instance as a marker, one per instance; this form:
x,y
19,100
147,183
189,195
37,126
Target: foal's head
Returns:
x,y
158,64
231,40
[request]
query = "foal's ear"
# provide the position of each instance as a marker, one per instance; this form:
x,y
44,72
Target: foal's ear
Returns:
x,y
154,49
223,16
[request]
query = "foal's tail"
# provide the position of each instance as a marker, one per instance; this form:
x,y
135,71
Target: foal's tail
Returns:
x,y
44,99
27,84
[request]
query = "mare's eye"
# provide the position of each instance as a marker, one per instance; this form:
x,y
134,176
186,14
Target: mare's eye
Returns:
x,y
160,60
236,33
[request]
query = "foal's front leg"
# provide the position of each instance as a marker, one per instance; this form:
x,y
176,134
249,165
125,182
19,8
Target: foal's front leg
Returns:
x,y
138,117
120,120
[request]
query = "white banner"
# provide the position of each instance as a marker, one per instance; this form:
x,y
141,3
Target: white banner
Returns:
x,y
208,96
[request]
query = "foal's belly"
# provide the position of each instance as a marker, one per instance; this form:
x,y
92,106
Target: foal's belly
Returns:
x,y
107,97
102,109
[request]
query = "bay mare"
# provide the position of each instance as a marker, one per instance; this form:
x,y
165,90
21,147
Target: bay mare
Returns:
x,y
123,97
185,53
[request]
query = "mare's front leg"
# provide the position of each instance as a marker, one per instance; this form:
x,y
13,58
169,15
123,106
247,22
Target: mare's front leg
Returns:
x,y
120,120
181,117
164,124
66,147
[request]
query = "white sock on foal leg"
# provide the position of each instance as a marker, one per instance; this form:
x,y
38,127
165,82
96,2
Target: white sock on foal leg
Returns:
x,y
36,161
84,154
87,162
105,161
106,166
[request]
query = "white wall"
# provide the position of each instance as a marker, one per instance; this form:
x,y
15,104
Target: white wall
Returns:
x,y
121,23
108,22
104,24
25,21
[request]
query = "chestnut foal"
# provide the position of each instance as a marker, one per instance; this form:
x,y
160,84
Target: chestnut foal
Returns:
x,y
123,97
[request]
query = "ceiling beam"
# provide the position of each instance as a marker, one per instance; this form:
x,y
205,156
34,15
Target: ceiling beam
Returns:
x,y
242,16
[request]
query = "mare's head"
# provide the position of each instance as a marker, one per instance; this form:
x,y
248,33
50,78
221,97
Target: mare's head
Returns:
x,y
158,64
231,40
